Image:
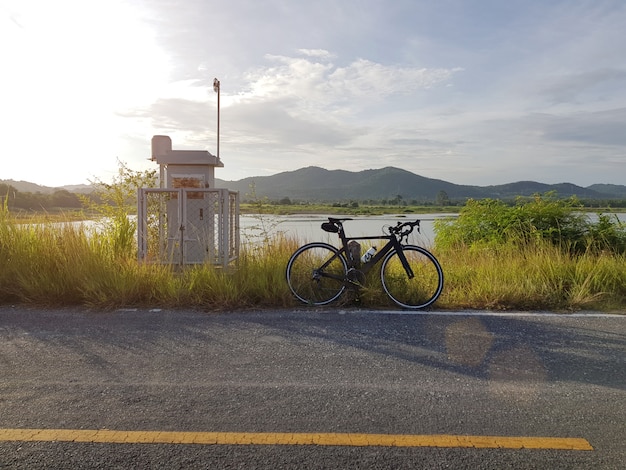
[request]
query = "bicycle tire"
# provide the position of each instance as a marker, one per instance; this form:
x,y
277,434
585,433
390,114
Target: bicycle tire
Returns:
x,y
306,277
420,291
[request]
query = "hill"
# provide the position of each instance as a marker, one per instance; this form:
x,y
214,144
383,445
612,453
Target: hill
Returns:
x,y
615,190
317,184
27,187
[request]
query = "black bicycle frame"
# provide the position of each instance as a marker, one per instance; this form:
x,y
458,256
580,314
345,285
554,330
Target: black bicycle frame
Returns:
x,y
392,242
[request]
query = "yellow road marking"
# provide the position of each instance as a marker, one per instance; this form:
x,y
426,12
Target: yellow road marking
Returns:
x,y
271,438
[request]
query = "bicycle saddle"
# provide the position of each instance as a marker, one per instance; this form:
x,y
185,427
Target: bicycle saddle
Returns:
x,y
332,225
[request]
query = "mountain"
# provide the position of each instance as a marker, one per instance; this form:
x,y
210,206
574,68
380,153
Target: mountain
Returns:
x,y
616,190
317,184
26,187
77,188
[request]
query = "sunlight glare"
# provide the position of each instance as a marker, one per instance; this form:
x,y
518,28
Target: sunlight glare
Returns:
x,y
70,68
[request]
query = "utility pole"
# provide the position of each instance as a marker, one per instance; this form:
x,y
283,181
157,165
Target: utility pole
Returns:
x,y
216,89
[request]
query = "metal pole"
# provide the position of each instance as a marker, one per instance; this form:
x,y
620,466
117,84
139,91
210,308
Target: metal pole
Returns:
x,y
216,88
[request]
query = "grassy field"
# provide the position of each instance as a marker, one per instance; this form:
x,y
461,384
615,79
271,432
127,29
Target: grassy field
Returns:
x,y
63,265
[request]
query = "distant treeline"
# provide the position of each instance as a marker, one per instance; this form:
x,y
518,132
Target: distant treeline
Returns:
x,y
60,199
440,201
64,199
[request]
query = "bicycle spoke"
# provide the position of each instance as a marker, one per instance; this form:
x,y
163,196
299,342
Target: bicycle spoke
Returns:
x,y
420,291
316,273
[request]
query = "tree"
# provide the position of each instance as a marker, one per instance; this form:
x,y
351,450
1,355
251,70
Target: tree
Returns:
x,y
115,201
396,201
64,199
442,198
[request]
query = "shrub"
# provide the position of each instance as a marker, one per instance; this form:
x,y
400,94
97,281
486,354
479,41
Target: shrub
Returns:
x,y
491,222
114,201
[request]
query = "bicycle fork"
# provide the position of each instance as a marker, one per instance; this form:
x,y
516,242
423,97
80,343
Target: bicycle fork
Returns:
x,y
405,263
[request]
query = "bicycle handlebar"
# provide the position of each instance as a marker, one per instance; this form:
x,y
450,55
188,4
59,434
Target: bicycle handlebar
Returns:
x,y
404,229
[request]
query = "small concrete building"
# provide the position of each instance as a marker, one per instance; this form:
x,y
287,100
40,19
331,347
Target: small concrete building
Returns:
x,y
184,168
187,220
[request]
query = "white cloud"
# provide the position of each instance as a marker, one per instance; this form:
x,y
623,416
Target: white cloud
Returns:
x,y
366,78
319,53
311,85
584,87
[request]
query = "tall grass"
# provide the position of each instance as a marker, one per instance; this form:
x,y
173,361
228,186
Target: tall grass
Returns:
x,y
537,276
53,265
540,253
59,265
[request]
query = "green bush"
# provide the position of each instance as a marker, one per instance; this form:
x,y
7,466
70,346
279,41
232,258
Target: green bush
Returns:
x,y
608,233
113,202
491,222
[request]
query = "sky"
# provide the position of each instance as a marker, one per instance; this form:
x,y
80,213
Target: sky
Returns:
x,y
477,92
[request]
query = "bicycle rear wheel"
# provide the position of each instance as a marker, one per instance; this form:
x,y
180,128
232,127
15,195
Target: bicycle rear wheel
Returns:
x,y
316,273
420,291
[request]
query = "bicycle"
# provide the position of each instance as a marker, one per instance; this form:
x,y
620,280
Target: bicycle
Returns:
x,y
318,273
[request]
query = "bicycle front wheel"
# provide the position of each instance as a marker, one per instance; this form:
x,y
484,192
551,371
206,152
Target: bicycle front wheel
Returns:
x,y
421,290
316,273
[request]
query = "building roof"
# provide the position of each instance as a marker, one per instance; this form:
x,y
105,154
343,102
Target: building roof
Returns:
x,y
188,157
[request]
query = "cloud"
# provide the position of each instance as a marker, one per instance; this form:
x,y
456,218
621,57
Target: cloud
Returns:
x,y
365,78
531,90
600,128
574,87
319,53
300,106
322,84
178,114
274,125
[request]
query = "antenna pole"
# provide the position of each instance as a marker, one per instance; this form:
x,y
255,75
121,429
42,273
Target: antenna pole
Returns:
x,y
216,88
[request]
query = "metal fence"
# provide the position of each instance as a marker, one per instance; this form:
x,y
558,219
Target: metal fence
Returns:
x,y
188,226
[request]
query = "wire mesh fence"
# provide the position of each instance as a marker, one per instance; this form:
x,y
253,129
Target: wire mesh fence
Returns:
x,y
188,226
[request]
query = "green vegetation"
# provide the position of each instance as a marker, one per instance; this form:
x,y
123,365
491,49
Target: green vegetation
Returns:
x,y
531,221
111,203
350,208
58,265
537,254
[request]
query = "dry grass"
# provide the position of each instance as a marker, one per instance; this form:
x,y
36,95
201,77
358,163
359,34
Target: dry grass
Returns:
x,y
56,265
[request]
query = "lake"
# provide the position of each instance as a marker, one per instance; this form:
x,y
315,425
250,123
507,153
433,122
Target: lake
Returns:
x,y
307,227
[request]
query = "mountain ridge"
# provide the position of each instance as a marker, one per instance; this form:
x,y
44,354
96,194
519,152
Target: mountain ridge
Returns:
x,y
318,184
314,183
28,187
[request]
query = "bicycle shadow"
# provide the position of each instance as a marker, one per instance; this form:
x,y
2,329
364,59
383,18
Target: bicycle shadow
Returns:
x,y
502,350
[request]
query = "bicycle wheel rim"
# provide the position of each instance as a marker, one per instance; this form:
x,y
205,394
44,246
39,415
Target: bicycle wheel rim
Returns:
x,y
420,291
307,282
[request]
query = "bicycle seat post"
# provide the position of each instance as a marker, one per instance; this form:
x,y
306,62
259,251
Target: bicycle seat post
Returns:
x,y
342,233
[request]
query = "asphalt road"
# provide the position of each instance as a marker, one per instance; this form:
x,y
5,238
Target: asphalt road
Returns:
x,y
305,373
